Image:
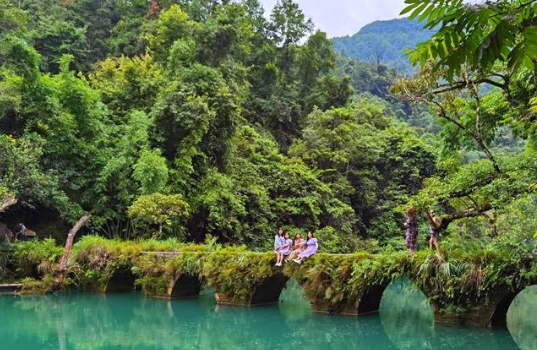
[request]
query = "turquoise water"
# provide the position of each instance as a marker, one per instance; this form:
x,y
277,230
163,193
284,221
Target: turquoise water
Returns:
x,y
129,321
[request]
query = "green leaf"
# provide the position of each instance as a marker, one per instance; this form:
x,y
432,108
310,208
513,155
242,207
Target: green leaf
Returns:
x,y
418,11
426,13
413,5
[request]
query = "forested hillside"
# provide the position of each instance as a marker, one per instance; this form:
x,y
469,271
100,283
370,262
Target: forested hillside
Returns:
x,y
185,119
384,42
179,118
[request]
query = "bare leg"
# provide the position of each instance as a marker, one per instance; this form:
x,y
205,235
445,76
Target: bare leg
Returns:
x,y
289,257
435,242
292,255
431,242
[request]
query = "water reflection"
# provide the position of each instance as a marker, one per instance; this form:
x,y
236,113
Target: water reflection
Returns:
x,y
131,322
406,316
121,322
408,321
522,319
294,305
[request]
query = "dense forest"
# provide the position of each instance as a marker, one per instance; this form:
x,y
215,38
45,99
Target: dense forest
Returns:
x,y
181,118
384,42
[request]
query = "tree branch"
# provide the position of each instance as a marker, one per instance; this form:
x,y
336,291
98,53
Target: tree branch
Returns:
x,y
59,274
467,213
478,128
462,84
445,116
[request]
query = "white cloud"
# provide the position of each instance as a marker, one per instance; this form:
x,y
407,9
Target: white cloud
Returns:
x,y
345,17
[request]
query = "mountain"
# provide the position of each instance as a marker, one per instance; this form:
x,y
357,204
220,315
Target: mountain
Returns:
x,y
383,42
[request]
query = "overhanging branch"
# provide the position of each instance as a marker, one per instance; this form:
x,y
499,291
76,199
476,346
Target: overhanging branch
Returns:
x,y
467,213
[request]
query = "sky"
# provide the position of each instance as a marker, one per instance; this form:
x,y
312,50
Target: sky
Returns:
x,y
344,17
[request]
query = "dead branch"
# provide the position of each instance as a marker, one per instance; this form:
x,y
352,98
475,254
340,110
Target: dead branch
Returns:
x,y
59,274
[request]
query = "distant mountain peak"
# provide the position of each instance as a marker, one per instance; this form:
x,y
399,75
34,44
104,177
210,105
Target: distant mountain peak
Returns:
x,y
384,41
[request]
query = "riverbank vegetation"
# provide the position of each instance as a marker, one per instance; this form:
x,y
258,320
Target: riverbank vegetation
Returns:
x,y
174,121
454,280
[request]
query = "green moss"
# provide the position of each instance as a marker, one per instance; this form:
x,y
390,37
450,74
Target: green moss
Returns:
x,y
158,274
31,286
234,272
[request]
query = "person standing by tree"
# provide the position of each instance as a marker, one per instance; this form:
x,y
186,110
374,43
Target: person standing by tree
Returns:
x,y
434,223
411,237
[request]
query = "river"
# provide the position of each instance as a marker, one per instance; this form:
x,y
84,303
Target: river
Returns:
x,y
130,321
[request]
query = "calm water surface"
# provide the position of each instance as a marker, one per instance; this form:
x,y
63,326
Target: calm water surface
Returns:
x,y
129,321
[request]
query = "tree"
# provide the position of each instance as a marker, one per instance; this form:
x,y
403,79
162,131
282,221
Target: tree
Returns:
x,y
127,83
475,73
23,180
462,108
151,172
56,38
288,23
368,162
12,19
166,211
171,25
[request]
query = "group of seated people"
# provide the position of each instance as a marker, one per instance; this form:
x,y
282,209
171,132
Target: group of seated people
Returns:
x,y
287,251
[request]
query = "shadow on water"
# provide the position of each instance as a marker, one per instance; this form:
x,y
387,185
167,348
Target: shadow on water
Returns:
x,y
129,321
522,319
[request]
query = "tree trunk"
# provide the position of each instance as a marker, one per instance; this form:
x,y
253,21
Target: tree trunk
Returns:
x,y
59,274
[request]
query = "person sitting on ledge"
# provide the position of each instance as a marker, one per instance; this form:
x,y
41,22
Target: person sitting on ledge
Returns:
x,y
299,247
279,241
311,248
285,249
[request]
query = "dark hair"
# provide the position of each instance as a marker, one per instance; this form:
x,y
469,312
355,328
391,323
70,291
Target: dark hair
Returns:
x,y
312,235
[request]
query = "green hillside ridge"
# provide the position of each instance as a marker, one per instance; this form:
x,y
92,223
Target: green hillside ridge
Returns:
x,y
384,42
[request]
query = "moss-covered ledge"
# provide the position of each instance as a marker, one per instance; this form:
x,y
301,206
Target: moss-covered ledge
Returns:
x,y
242,277
168,277
345,284
106,266
472,287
